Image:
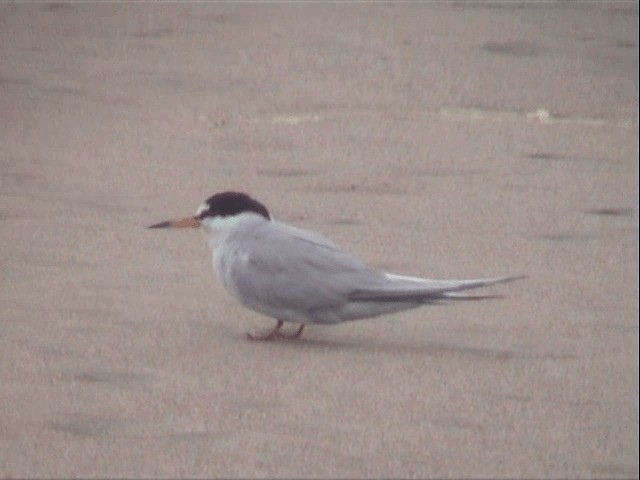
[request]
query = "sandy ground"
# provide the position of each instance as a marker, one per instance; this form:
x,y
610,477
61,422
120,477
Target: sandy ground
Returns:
x,y
442,140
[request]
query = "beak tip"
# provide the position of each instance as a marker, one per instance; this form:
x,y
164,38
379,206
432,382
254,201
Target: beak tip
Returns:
x,y
184,223
160,225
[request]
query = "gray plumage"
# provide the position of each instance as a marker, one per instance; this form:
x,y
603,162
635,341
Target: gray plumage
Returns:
x,y
299,276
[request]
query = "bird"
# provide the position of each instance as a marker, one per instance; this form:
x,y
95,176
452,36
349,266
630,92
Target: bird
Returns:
x,y
299,276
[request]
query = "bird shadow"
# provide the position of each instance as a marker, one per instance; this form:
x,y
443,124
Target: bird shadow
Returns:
x,y
392,346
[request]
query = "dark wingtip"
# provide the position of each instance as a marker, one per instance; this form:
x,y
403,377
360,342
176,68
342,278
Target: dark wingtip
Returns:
x,y
161,225
476,297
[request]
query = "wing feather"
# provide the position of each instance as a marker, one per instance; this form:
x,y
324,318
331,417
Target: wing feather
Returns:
x,y
284,268
295,275
401,288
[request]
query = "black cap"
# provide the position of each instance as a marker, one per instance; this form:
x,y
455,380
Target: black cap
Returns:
x,y
232,203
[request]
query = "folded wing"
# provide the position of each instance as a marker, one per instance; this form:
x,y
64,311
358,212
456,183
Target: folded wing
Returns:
x,y
413,289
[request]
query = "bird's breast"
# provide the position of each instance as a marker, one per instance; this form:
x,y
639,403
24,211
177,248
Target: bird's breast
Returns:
x,y
226,262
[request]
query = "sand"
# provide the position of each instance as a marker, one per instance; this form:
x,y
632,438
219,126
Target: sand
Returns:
x,y
448,140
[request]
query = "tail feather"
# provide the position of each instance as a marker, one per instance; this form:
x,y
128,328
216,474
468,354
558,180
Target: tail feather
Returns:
x,y
412,289
462,296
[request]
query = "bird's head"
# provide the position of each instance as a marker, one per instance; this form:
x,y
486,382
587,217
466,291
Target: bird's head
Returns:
x,y
219,212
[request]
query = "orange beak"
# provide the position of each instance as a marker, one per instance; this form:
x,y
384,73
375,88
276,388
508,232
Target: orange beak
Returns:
x,y
190,222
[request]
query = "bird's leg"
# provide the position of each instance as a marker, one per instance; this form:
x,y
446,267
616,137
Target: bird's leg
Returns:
x,y
269,336
275,333
291,337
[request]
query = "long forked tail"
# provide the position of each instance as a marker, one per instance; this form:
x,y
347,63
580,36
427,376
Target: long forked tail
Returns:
x,y
412,289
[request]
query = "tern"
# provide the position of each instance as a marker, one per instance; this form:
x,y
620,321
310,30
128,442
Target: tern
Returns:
x,y
299,276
